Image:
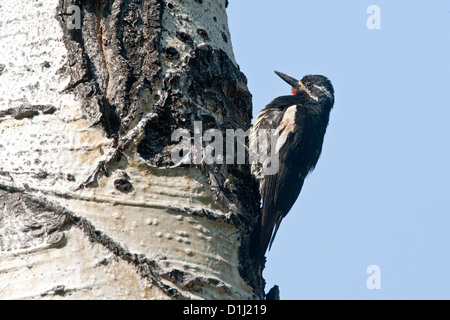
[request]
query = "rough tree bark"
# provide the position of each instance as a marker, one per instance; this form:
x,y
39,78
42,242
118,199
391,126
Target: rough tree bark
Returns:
x,y
91,203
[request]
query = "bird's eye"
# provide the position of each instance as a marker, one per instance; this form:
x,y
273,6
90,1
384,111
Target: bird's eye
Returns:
x,y
309,84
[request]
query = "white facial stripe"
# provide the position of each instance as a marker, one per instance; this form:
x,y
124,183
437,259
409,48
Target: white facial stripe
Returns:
x,y
310,94
324,90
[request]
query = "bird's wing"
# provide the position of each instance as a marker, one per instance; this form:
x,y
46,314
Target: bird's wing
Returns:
x,y
260,141
280,190
260,136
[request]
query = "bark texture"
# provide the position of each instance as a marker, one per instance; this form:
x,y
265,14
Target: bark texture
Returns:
x,y
91,204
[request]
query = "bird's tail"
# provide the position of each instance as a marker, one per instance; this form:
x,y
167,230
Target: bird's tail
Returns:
x,y
263,236
257,249
277,225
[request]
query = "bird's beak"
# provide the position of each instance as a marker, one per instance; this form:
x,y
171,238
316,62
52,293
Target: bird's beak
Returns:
x,y
291,81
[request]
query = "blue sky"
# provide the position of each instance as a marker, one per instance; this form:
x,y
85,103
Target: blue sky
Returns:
x,y
380,193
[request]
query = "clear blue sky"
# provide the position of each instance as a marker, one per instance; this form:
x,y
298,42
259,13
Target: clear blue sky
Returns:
x,y
380,193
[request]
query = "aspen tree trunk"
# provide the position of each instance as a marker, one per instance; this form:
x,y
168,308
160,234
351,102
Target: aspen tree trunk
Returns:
x,y
92,204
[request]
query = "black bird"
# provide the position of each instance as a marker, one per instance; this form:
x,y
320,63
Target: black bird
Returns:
x,y
299,122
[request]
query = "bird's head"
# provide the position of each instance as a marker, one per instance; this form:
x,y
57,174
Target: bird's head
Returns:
x,y
315,87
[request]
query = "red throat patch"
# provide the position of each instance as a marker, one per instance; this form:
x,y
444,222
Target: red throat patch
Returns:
x,y
293,92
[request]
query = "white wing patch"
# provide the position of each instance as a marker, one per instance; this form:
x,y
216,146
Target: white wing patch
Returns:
x,y
287,125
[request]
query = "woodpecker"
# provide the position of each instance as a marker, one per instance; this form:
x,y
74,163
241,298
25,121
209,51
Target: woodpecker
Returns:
x,y
291,129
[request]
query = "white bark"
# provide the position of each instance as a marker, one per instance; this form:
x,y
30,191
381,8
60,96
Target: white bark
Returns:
x,y
169,232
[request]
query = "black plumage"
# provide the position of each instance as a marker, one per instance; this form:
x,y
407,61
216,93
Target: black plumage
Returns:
x,y
300,122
